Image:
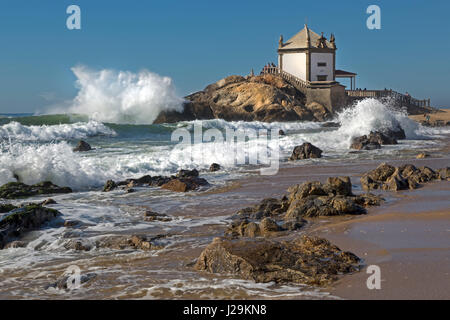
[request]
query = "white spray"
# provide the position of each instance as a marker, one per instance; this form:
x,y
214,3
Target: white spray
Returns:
x,y
122,96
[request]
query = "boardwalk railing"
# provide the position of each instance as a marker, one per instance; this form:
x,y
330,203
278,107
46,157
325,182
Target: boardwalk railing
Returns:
x,y
399,97
298,83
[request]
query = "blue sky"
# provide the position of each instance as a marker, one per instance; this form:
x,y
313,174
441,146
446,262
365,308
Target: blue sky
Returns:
x,y
198,42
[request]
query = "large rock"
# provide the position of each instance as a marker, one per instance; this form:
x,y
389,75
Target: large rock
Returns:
x,y
307,260
375,140
266,98
310,199
390,178
306,151
14,190
184,184
21,220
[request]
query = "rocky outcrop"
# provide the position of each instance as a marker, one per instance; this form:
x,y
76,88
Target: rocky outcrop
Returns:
x,y
133,242
266,98
306,151
184,181
82,146
373,141
15,190
22,220
387,177
271,216
307,260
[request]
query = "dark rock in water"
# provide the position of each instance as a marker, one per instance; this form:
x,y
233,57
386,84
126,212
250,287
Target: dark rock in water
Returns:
x,y
214,167
187,173
159,181
155,216
381,138
14,190
134,242
109,186
186,180
374,140
184,184
390,178
307,260
364,143
306,151
21,220
397,133
7,208
82,146
281,133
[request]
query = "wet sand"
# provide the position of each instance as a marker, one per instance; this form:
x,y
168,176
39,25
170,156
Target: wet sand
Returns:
x,y
409,240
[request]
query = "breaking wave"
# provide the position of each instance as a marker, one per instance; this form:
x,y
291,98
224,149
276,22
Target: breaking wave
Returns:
x,y
17,131
122,96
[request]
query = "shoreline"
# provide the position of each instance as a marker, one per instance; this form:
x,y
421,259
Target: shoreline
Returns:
x,y
198,217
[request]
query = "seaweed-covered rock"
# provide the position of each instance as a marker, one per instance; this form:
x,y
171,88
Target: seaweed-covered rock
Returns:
x,y
21,220
306,151
306,260
14,190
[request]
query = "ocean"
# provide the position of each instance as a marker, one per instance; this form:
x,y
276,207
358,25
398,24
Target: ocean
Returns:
x,y
39,148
